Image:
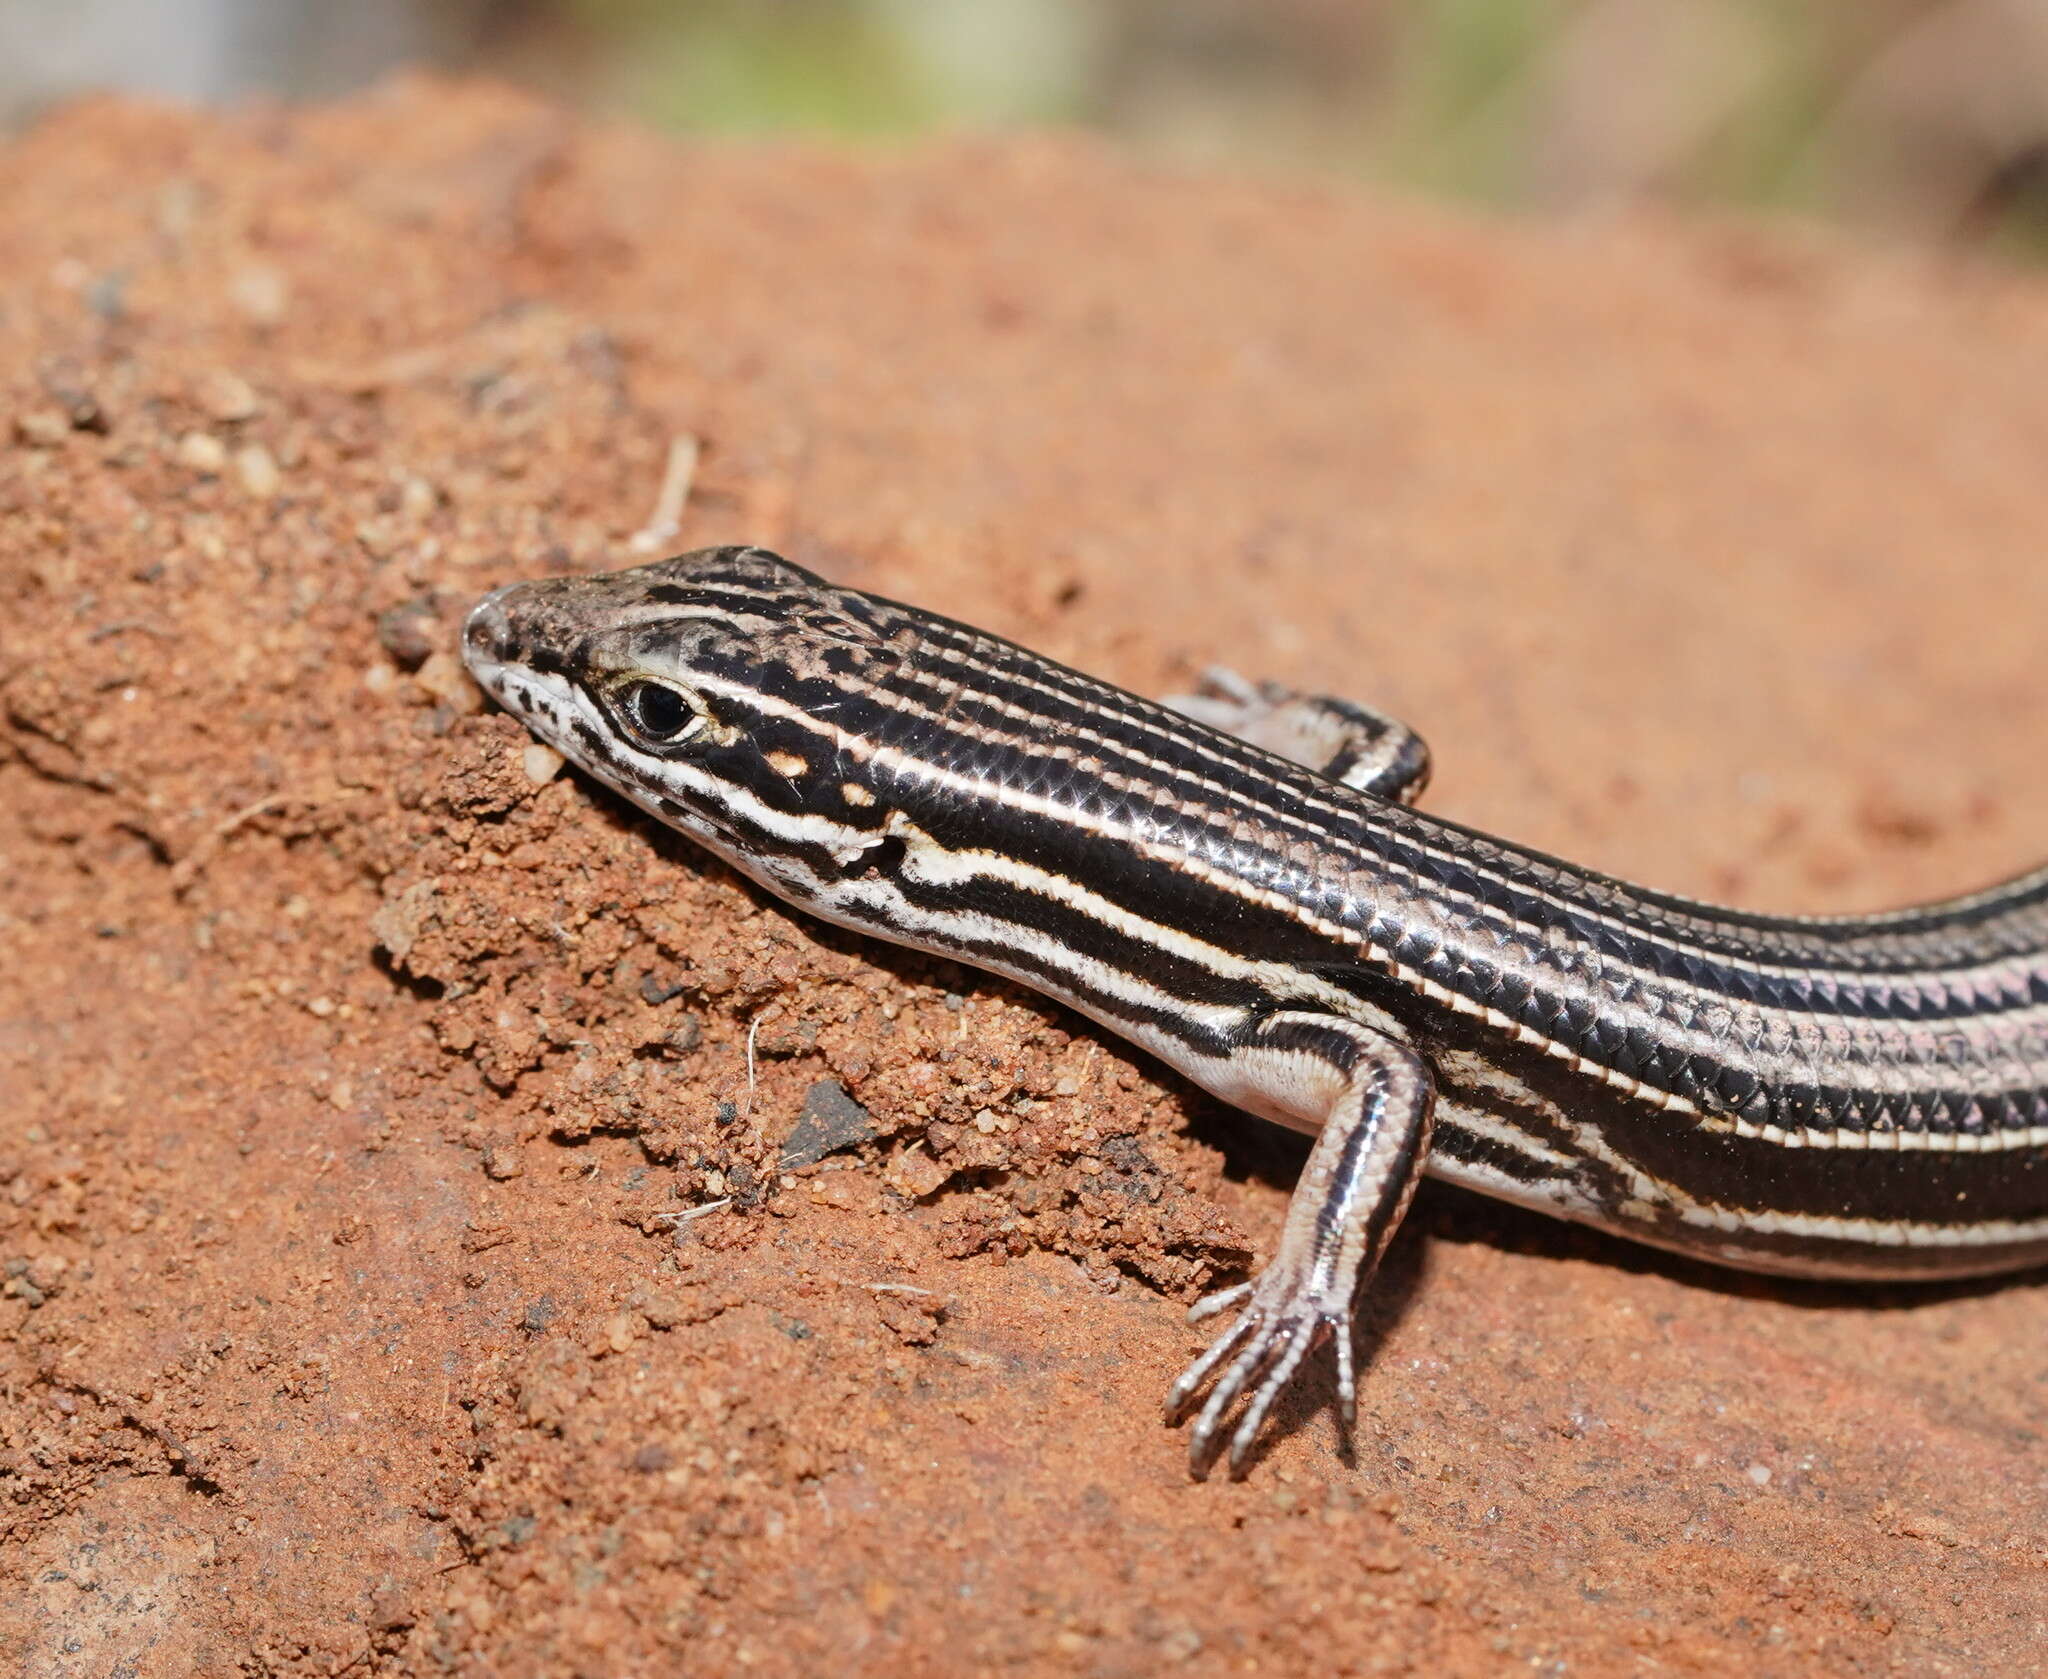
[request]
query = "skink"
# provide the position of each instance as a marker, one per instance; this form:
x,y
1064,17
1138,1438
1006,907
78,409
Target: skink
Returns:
x,y
1237,882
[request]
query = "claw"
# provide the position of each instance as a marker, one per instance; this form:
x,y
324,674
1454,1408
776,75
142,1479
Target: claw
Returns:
x,y
1210,1304
1181,1395
1271,1385
1269,1350
1347,1380
1251,1363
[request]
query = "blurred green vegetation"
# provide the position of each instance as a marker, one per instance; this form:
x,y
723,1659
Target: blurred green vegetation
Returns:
x,y
1927,115
848,67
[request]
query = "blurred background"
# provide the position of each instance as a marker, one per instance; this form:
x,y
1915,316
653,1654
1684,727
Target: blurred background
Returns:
x,y
1922,118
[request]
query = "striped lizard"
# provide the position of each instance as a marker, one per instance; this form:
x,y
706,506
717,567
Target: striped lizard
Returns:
x,y
1238,882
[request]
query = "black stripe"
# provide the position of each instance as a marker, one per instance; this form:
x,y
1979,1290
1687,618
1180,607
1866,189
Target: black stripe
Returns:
x,y
1018,958
1044,920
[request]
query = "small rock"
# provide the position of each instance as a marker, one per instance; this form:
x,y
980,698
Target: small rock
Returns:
x,y
42,428
916,1174
406,632
256,468
654,990
502,1162
445,677
70,387
202,452
261,293
106,295
227,398
669,1311
841,1190
417,499
541,763
828,1121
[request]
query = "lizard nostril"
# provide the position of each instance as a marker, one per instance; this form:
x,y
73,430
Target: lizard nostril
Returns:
x,y
487,633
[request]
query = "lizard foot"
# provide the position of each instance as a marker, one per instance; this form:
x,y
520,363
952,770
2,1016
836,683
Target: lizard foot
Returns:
x,y
1280,1321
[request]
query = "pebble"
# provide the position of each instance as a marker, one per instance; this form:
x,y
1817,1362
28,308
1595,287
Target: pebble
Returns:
x,y
915,1173
42,428
261,293
407,632
227,398
256,467
202,452
829,1120
541,763
654,990
445,677
417,499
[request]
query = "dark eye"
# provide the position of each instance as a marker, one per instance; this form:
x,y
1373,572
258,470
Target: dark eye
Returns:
x,y
658,713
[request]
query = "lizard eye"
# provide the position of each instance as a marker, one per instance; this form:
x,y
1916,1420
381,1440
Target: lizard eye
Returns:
x,y
658,714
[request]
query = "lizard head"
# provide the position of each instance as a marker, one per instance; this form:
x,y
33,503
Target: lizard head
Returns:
x,y
719,690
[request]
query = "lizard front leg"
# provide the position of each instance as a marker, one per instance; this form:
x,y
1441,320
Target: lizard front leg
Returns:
x,y
1373,1097
1349,743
